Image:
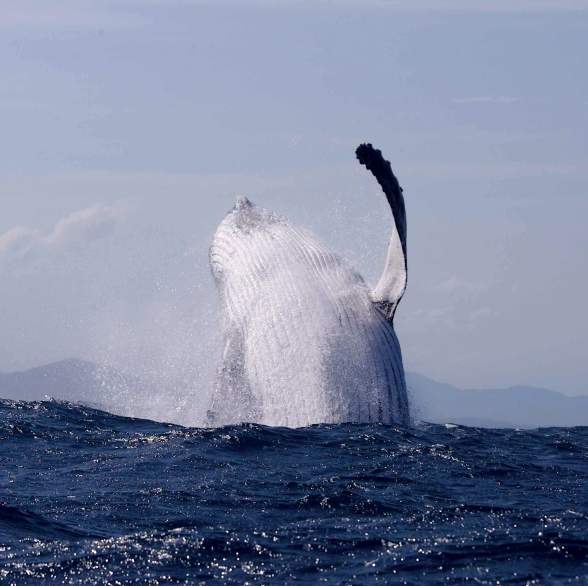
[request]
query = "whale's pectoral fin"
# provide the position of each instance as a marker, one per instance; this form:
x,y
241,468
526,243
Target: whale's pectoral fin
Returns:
x,y
232,399
392,283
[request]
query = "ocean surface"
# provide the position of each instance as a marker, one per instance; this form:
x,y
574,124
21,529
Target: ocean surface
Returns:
x,y
87,497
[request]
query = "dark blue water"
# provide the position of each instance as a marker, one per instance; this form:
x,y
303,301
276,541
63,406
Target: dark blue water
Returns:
x,y
88,497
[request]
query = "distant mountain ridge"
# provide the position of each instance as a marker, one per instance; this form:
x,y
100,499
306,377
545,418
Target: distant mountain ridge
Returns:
x,y
68,380
525,407
519,406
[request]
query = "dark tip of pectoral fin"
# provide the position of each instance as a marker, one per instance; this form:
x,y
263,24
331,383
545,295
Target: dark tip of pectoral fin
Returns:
x,y
380,168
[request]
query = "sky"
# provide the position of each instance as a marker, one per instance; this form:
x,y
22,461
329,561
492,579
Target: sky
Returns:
x,y
130,127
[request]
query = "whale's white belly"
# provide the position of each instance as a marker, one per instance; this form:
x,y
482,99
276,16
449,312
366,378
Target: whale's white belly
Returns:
x,y
304,342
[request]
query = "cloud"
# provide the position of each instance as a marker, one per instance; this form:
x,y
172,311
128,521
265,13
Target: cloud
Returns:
x,y
481,314
486,100
65,14
455,285
84,226
508,6
77,230
133,14
17,241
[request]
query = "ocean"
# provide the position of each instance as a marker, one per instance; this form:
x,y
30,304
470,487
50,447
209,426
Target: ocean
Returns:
x,y
87,497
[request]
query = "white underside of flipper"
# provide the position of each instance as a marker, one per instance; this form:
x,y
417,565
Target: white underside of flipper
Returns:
x,y
392,283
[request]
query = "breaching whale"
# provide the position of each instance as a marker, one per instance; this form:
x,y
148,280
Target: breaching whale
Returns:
x,y
305,341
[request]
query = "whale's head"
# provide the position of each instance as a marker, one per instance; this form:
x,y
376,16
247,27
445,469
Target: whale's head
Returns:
x,y
240,243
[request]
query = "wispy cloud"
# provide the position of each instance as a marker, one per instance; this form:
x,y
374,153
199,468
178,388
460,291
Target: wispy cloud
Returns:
x,y
517,6
486,100
66,14
84,226
18,242
456,285
111,14
21,244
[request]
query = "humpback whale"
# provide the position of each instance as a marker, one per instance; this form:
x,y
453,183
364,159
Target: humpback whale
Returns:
x,y
305,340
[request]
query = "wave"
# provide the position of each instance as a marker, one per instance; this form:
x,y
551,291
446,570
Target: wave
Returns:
x,y
83,492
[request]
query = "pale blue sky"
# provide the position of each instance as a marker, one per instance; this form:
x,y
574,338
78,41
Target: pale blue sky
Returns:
x,y
129,127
